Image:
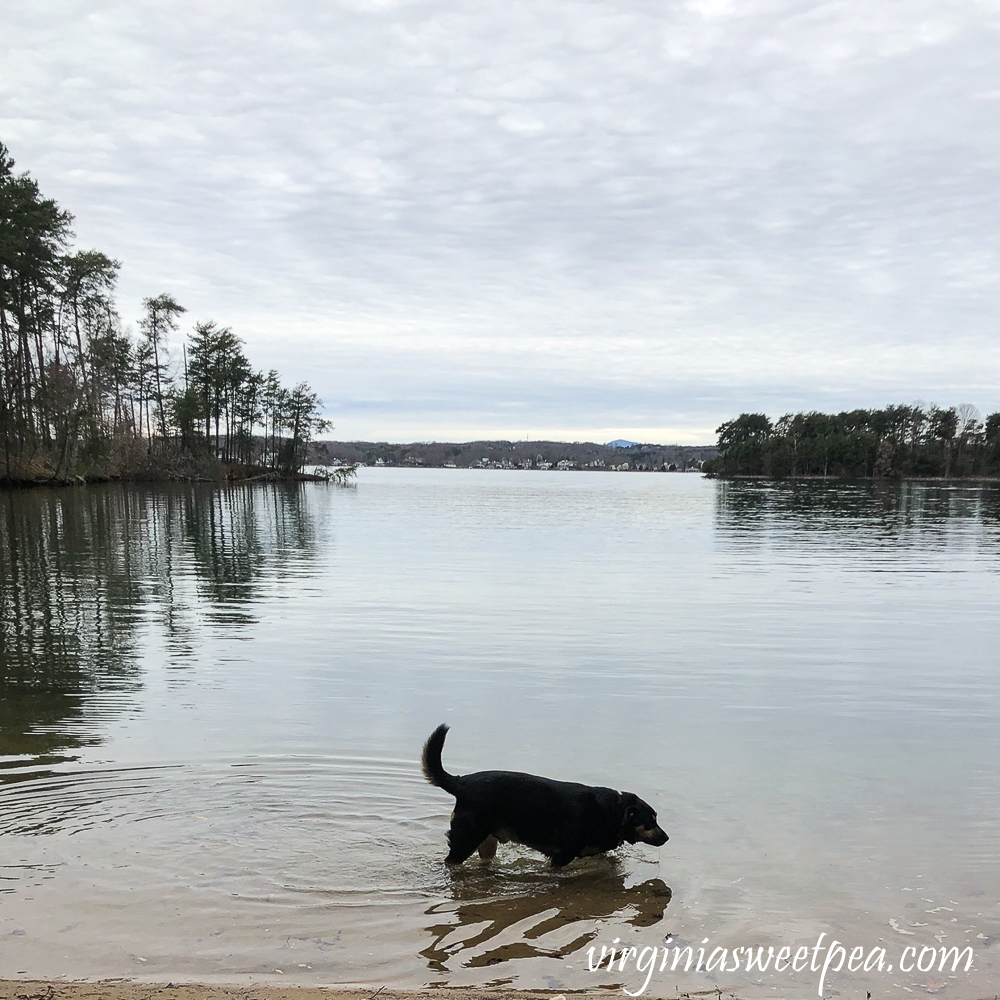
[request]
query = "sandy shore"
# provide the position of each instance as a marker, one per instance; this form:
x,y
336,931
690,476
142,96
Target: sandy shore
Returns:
x,y
122,989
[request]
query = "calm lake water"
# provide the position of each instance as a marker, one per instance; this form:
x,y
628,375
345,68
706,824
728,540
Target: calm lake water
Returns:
x,y
213,702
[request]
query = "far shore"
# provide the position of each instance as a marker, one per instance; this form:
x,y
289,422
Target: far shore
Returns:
x,y
333,475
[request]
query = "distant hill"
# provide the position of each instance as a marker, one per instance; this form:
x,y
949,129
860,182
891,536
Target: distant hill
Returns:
x,y
622,443
513,454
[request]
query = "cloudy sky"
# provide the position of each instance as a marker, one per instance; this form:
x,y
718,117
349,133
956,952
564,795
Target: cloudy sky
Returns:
x,y
580,219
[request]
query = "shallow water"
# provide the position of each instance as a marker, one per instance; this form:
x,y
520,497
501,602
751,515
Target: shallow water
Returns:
x,y
213,702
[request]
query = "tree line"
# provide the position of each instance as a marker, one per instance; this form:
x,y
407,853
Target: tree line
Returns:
x,y
894,442
585,454
82,396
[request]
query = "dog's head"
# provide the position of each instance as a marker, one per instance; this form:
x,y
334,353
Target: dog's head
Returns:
x,y
639,822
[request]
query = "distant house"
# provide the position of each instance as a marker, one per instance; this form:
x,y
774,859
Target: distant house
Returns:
x,y
564,463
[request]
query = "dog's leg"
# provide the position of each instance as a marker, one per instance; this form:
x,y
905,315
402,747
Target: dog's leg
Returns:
x,y
464,836
488,848
563,857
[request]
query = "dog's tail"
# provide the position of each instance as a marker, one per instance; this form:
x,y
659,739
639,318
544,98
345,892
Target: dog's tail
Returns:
x,y
430,761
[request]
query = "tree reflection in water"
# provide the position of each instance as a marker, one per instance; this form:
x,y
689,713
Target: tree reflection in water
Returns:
x,y
84,571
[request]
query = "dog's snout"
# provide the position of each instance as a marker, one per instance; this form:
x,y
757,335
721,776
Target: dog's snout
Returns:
x,y
654,835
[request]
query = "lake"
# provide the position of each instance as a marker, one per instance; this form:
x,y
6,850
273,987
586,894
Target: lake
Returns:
x,y
214,699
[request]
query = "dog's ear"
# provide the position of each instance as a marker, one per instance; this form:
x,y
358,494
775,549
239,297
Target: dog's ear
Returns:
x,y
629,817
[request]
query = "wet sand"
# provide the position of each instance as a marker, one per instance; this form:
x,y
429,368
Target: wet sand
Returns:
x,y
123,989
120,989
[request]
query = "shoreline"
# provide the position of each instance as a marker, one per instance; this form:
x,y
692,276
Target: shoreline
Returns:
x,y
262,476
269,476
887,480
133,989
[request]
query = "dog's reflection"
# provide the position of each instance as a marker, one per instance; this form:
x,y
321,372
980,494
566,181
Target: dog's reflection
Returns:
x,y
496,916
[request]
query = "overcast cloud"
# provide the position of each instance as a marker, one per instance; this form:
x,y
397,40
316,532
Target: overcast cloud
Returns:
x,y
582,220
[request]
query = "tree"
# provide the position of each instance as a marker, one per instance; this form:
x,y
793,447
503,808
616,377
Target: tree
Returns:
x,y
742,442
302,417
991,442
158,323
219,370
187,409
944,426
33,234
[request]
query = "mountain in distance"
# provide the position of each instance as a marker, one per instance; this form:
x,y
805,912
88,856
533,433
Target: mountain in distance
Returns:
x,y
622,443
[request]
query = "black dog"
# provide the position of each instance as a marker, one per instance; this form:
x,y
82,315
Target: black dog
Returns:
x,y
562,819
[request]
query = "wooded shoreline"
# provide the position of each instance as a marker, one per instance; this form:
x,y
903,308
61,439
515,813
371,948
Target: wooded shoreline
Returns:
x,y
83,398
898,443
231,476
